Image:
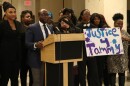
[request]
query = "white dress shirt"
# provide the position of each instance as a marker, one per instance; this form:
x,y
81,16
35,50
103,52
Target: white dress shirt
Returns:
x,y
43,31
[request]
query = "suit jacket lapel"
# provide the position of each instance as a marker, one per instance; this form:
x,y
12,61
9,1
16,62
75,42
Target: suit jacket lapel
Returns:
x,y
40,34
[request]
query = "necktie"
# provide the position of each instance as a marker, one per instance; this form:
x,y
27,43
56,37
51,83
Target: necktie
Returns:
x,y
46,31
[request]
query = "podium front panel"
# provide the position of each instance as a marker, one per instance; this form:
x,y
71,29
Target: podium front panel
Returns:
x,y
68,50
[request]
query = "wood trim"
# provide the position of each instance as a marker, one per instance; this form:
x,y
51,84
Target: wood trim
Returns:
x,y
65,74
45,75
63,37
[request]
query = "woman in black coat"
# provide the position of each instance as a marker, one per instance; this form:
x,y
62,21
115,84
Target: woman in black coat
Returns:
x,y
10,43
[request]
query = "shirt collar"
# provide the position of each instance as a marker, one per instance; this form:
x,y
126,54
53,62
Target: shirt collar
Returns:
x,y
41,24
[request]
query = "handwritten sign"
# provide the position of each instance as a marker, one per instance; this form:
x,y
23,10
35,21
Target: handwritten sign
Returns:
x,y
103,41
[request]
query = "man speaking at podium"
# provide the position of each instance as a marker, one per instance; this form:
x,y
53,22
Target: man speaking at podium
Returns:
x,y
35,34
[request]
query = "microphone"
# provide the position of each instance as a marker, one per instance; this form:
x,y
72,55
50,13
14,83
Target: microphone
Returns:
x,y
55,27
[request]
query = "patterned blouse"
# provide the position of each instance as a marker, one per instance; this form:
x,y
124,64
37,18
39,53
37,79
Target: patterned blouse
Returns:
x,y
119,63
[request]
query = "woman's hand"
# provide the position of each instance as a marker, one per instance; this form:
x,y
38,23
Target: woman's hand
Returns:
x,y
125,38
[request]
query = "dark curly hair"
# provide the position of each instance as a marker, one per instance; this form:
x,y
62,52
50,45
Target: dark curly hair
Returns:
x,y
70,11
118,16
93,17
81,14
23,13
69,22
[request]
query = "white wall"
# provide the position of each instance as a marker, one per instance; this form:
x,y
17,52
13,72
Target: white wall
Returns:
x,y
115,6
95,6
108,8
78,6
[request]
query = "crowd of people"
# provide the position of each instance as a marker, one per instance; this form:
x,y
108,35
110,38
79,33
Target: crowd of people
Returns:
x,y
21,42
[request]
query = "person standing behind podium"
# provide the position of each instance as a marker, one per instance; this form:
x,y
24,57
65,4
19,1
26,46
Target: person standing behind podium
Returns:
x,y
69,12
35,34
26,20
97,66
65,26
84,22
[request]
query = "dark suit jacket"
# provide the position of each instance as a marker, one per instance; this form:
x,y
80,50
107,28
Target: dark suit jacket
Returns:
x,y
34,34
10,42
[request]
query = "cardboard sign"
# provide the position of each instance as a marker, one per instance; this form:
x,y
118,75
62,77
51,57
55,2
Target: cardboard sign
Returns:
x,y
103,41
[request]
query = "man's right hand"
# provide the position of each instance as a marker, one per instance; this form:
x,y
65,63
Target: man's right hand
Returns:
x,y
39,44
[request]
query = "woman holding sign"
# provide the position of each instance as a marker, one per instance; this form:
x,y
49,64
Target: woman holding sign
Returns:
x,y
119,63
96,64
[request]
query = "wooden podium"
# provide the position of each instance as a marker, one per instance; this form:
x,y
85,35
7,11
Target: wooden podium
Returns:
x,y
62,48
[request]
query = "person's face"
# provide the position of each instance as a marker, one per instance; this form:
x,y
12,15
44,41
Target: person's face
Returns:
x,y
96,21
27,19
119,23
10,14
86,16
43,16
64,25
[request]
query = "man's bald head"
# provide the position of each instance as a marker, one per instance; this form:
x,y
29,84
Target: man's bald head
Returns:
x,y
41,11
43,15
